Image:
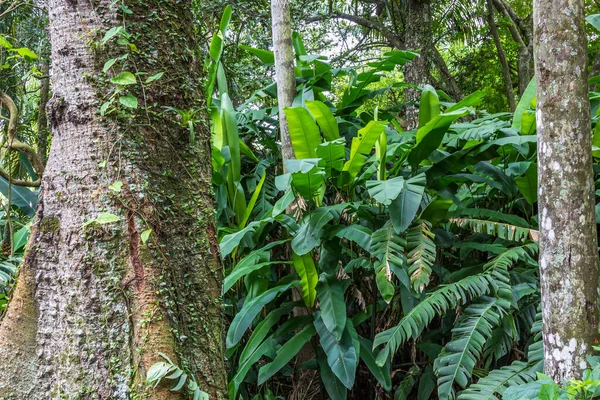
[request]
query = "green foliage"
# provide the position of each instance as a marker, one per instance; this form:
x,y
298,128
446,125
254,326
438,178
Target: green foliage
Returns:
x,y
396,238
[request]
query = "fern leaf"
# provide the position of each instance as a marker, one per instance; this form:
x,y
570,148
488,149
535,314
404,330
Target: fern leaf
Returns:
x,y
474,329
421,256
388,249
498,229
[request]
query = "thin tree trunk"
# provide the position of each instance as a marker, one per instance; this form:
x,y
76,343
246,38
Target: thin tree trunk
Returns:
x,y
94,304
568,243
284,69
42,135
510,95
417,37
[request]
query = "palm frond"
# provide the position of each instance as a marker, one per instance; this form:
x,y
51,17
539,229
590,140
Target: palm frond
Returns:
x,y
502,230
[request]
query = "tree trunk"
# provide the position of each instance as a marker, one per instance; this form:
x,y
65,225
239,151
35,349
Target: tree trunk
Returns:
x,y
568,244
284,69
94,304
417,37
510,95
42,134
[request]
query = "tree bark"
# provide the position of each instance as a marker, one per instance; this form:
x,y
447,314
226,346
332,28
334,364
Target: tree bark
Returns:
x,y
568,243
284,70
417,37
94,304
42,134
510,95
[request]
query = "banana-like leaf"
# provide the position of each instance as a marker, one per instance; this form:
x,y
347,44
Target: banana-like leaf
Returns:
x,y
330,292
382,374
381,155
431,135
286,353
265,56
332,155
501,230
385,191
528,184
243,319
362,146
429,105
388,250
404,208
334,387
524,104
305,268
21,197
304,132
310,231
341,355
324,118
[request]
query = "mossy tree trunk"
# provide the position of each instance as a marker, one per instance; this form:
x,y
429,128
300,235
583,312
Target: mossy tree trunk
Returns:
x,y
568,244
95,304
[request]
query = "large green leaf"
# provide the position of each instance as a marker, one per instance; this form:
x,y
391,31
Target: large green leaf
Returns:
x,y
307,176
305,268
429,105
304,132
431,135
334,387
324,118
286,353
330,292
421,254
341,355
528,184
382,374
21,197
362,145
404,208
385,191
524,104
310,231
388,248
250,263
265,56
243,319
332,155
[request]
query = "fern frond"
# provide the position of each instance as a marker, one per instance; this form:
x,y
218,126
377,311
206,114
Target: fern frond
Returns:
x,y
498,229
443,299
455,364
421,255
388,250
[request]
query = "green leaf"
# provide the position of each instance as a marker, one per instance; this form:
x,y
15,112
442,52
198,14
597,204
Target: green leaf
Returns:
x,y
528,184
305,267
124,78
26,53
108,64
145,235
524,104
388,250
404,208
429,105
324,118
265,56
5,43
334,387
332,155
341,355
286,353
22,197
155,77
594,20
253,199
362,146
310,231
304,132
114,31
421,254
129,101
330,292
431,135
385,191
243,319
382,374
106,218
